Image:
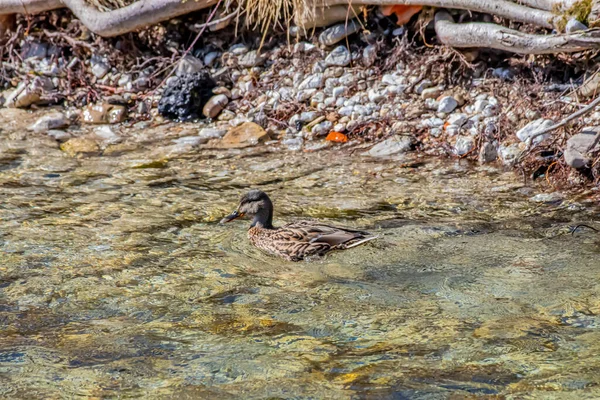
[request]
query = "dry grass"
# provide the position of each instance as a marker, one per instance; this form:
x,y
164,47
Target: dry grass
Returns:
x,y
107,5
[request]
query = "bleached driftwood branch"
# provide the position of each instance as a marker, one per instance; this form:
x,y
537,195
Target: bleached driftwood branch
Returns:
x,y
113,23
477,34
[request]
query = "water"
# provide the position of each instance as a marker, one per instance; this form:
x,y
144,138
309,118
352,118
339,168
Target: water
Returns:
x,y
117,280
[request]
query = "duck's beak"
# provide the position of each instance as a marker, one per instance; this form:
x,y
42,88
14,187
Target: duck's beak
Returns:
x,y
232,216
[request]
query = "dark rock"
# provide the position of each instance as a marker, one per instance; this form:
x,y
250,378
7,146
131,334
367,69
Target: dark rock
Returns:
x,y
185,98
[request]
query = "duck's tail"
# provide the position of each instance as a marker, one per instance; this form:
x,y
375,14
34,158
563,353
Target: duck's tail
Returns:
x,y
361,241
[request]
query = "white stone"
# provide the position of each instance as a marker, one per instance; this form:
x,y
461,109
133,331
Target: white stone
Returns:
x,y
528,131
447,104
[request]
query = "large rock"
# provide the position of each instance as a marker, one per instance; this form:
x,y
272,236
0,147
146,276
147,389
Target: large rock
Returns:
x,y
391,146
244,135
185,98
577,153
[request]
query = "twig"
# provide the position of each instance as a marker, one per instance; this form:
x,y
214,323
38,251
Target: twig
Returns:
x,y
70,40
587,109
583,226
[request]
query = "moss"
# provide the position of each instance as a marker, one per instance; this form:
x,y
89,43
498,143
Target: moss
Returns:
x,y
580,10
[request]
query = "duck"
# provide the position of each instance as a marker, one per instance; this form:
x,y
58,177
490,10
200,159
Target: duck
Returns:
x,y
294,241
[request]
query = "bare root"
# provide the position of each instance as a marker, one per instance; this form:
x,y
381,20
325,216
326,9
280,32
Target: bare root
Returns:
x,y
477,34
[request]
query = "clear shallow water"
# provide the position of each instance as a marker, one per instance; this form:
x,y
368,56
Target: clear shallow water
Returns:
x,y
116,279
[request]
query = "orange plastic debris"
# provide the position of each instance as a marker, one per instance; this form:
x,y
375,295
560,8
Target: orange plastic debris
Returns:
x,y
337,137
403,13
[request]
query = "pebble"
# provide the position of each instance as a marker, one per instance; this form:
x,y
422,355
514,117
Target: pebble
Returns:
x,y
336,33
124,80
575,26
210,58
314,81
251,59
340,57
339,91
457,119
238,49
369,55
421,86
322,128
431,93
375,96
488,153
304,47
99,66
215,105
189,65
447,104
463,145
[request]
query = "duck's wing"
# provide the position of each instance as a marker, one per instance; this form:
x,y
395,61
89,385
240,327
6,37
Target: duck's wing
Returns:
x,y
321,234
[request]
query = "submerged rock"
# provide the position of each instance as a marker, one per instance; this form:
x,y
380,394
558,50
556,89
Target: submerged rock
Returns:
x,y
186,97
27,94
51,121
104,113
244,135
80,146
390,146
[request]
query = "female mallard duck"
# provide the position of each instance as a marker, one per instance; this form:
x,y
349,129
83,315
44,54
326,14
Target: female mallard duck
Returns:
x,y
293,241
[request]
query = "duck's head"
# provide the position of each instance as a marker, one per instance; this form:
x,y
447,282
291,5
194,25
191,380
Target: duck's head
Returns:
x,y
255,204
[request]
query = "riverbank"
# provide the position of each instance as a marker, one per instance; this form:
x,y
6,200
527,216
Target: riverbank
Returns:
x,y
377,92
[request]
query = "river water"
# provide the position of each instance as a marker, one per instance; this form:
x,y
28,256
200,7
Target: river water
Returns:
x,y
116,280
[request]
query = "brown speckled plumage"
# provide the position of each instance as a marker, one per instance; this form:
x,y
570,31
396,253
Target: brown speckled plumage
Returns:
x,y
293,241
